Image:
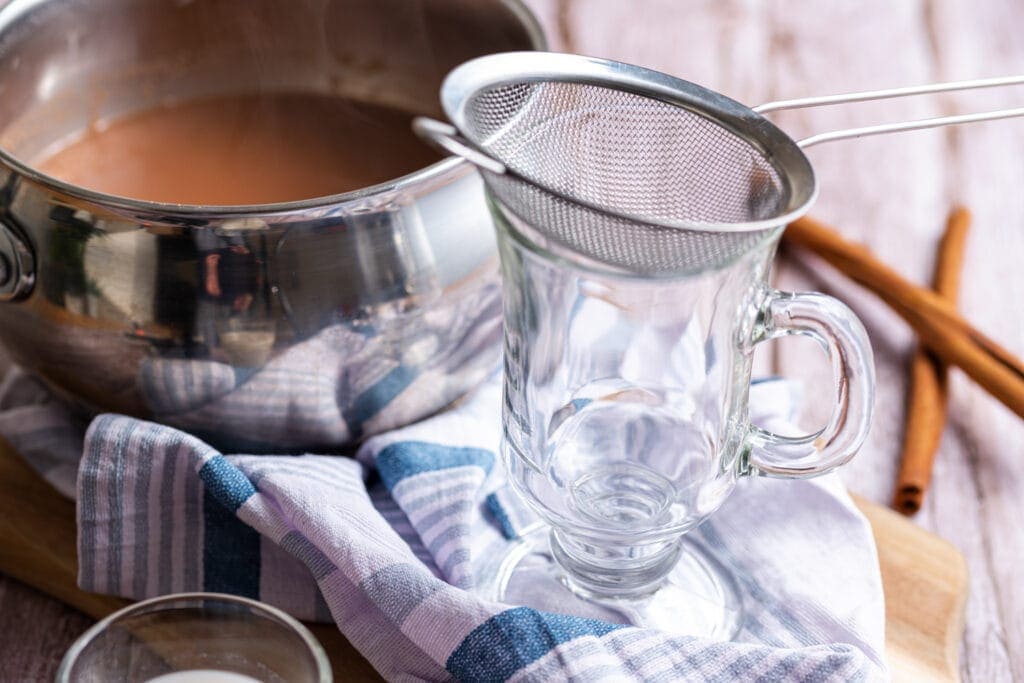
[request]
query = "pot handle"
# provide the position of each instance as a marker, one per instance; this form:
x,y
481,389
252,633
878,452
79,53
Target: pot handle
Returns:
x,y
17,262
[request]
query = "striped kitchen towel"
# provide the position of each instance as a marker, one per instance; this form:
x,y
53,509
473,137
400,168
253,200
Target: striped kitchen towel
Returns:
x,y
390,546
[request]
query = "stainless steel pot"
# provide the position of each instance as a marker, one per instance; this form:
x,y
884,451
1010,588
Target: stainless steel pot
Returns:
x,y
371,309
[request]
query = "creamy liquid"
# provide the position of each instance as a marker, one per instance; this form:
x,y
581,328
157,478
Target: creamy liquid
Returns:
x,y
203,676
242,150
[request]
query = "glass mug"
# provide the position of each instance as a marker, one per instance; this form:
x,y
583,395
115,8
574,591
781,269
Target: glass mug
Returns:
x,y
626,425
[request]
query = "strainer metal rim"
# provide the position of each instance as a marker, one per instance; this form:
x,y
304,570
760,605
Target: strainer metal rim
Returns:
x,y
511,68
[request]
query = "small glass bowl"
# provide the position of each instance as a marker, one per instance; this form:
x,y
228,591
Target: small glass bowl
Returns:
x,y
194,637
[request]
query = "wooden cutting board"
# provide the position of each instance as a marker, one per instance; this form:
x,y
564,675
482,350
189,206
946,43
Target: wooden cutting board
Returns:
x,y
925,578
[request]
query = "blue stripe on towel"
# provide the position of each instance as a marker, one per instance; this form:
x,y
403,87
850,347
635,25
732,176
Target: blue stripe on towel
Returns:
x,y
371,401
512,640
231,551
406,458
226,483
508,529
231,548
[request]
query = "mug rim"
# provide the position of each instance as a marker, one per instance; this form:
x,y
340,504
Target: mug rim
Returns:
x,y
553,251
13,10
323,666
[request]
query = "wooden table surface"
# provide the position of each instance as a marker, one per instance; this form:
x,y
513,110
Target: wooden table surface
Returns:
x,y
892,193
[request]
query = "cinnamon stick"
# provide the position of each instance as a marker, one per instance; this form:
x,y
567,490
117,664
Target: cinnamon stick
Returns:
x,y
936,322
928,393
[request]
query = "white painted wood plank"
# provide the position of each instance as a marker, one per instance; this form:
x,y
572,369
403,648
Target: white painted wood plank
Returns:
x,y
985,38
955,510
549,14
716,43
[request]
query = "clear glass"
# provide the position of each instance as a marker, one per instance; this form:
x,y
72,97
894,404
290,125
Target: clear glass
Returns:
x,y
626,423
196,637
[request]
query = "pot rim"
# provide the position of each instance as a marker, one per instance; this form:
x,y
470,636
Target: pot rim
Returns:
x,y
518,8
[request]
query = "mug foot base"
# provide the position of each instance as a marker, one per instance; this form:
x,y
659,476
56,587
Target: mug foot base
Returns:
x,y
699,596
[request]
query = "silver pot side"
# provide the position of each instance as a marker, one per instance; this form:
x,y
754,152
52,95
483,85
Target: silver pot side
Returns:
x,y
286,327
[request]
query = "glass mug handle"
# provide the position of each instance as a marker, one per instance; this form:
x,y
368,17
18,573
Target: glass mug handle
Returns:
x,y
833,325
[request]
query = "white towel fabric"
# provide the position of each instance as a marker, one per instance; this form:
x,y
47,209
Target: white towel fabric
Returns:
x,y
387,545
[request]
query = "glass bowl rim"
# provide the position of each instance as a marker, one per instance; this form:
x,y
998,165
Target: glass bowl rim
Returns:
x,y
323,666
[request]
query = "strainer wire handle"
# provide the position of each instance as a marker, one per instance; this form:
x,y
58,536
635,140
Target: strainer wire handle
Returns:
x,y
889,93
447,138
901,126
919,124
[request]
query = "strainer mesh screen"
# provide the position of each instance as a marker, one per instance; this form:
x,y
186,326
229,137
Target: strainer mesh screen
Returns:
x,y
630,154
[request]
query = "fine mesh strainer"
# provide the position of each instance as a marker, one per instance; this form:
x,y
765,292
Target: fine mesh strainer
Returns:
x,y
632,169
